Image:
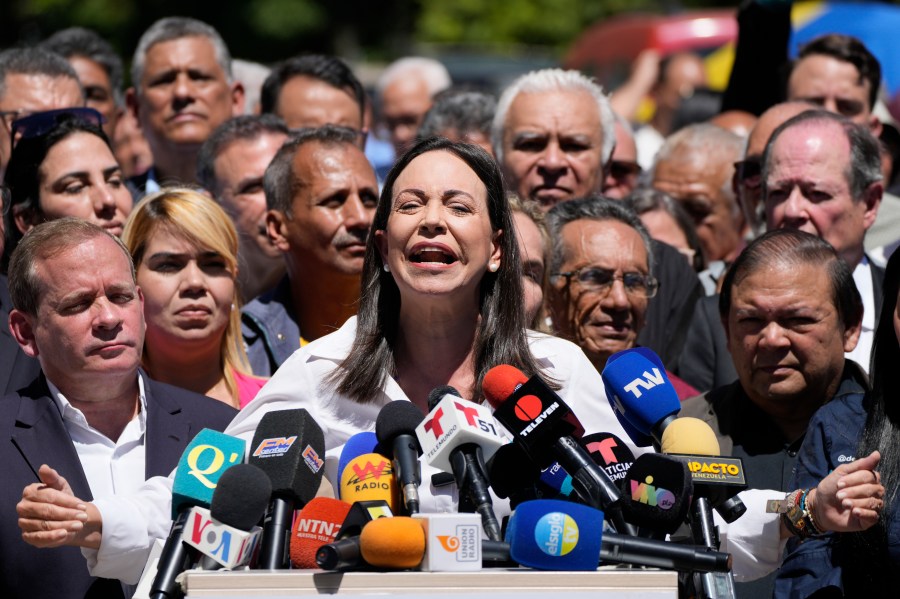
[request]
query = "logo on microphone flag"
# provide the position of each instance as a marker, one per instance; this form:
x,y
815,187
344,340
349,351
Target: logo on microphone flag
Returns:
x,y
556,534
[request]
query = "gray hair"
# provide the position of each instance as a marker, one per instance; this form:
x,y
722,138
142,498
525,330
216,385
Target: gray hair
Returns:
x,y
592,208
865,152
461,110
252,75
244,127
279,182
432,72
175,28
78,41
710,142
551,80
34,61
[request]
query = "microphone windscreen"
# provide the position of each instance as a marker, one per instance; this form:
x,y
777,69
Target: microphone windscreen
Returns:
x,y
370,477
510,471
438,393
397,418
202,463
610,453
549,534
356,446
241,497
689,436
660,489
639,389
500,382
316,524
290,447
396,543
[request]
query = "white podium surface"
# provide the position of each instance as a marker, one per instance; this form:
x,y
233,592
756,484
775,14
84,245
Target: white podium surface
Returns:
x,y
490,583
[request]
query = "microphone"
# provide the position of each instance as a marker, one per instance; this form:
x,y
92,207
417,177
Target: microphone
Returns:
x,y
395,428
438,393
717,479
640,393
202,464
343,553
660,491
610,453
457,435
539,420
355,446
369,477
287,446
316,524
513,475
550,534
226,534
393,543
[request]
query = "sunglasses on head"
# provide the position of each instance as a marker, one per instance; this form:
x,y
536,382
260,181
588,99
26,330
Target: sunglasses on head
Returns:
x,y
41,123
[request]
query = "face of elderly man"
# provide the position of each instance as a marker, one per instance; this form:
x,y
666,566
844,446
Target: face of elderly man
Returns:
x,y
786,337
600,321
552,146
808,188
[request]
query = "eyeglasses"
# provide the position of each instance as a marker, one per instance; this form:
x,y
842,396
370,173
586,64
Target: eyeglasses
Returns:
x,y
600,280
749,172
622,169
41,123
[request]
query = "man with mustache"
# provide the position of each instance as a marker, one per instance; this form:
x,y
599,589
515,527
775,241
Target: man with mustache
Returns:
x,y
183,89
321,193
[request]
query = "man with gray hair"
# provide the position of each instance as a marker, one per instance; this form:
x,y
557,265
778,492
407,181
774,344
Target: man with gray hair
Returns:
x,y
33,80
696,166
461,115
99,69
821,174
231,166
601,278
553,134
406,89
183,89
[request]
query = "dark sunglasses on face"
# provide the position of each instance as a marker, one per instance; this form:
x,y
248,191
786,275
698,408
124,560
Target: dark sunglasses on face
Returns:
x,y
749,171
621,169
41,123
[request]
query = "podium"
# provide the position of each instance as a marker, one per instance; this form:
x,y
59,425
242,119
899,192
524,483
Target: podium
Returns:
x,y
489,584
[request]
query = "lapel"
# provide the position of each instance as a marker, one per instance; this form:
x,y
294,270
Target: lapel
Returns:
x,y
877,289
168,429
41,437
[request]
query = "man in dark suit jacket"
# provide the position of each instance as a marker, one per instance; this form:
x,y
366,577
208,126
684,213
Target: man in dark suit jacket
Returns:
x,y
85,326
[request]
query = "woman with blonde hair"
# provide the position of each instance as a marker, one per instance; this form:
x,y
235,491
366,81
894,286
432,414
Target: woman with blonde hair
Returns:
x,y
185,248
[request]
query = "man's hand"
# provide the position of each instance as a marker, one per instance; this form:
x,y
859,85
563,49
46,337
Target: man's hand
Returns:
x,y
51,516
850,498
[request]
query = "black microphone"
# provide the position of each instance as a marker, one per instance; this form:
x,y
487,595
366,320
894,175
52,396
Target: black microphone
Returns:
x,y
610,453
288,446
513,475
658,489
438,393
395,427
541,423
238,504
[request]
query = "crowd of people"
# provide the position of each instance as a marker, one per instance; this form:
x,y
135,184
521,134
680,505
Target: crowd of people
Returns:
x,y
210,245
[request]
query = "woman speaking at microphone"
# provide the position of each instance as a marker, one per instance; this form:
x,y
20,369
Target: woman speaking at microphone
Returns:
x,y
441,304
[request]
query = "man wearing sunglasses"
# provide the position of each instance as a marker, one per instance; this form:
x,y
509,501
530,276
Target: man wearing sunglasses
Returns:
x,y
33,80
601,278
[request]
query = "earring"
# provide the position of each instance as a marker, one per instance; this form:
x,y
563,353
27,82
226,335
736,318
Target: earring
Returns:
x,y
386,267
493,266
233,307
